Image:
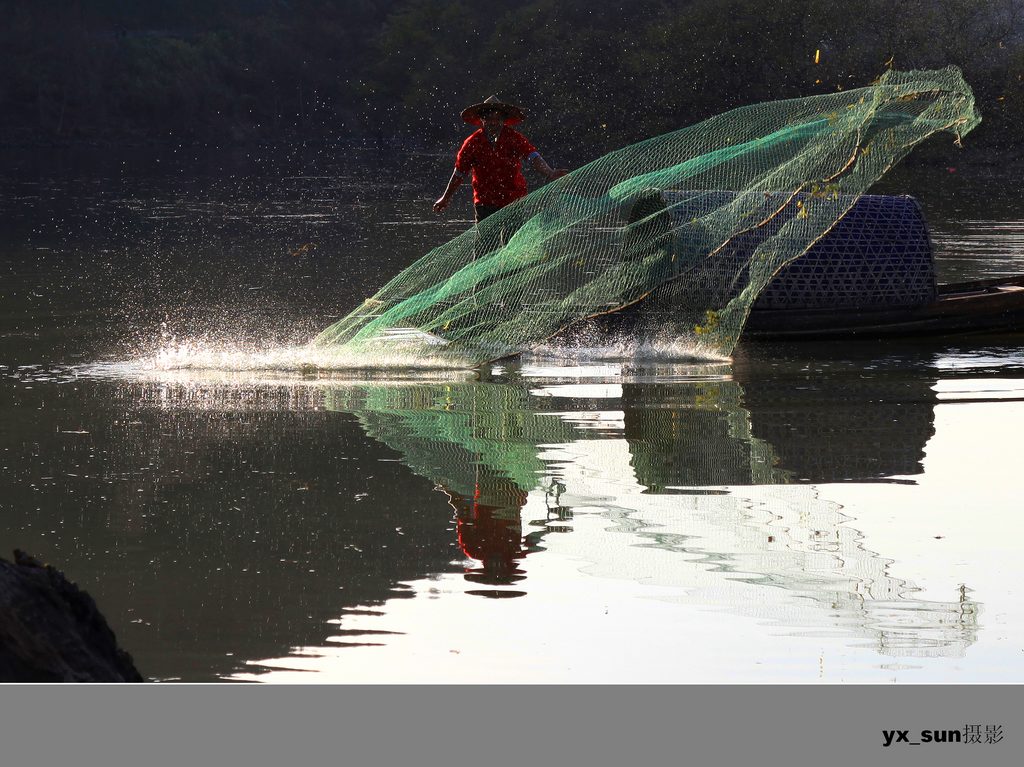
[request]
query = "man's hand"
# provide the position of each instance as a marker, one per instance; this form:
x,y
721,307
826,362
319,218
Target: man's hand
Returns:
x,y
453,183
557,173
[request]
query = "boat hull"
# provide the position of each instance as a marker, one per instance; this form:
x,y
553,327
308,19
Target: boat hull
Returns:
x,y
983,306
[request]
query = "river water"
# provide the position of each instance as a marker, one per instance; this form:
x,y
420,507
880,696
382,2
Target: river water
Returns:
x,y
801,513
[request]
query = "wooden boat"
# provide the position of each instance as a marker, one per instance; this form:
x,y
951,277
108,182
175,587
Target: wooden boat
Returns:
x,y
873,275
983,306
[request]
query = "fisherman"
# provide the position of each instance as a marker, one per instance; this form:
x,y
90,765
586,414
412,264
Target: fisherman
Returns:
x,y
494,154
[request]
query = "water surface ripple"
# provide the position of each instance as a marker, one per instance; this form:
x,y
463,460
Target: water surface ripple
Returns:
x,y
240,511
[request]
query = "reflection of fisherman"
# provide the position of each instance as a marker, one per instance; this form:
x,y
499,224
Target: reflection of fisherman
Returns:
x,y
494,154
490,528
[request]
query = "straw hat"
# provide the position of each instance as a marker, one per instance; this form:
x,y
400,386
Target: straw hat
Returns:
x,y
513,114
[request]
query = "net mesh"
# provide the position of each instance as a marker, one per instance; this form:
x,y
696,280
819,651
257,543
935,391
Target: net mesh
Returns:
x,y
696,222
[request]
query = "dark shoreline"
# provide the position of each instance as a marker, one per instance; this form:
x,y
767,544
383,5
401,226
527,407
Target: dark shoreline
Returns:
x,y
52,631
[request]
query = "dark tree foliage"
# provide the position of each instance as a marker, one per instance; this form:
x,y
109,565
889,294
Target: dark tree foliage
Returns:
x,y
591,73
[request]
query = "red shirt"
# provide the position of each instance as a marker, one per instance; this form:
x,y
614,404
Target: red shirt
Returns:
x,y
497,168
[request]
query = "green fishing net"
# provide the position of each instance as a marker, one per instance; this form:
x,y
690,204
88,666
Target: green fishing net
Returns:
x,y
695,222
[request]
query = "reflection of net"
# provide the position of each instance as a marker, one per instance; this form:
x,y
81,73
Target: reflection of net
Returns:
x,y
757,551
488,446
479,443
462,436
592,242
911,628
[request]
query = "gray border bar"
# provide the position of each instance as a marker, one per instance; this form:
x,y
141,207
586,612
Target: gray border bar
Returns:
x,y
486,725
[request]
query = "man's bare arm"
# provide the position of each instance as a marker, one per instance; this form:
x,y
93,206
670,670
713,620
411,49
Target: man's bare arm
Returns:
x,y
453,183
544,169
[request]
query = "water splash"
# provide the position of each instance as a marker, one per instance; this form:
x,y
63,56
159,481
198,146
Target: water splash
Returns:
x,y
399,356
596,345
228,357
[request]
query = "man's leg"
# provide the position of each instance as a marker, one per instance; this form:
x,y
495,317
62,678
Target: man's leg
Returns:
x,y
508,227
483,211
